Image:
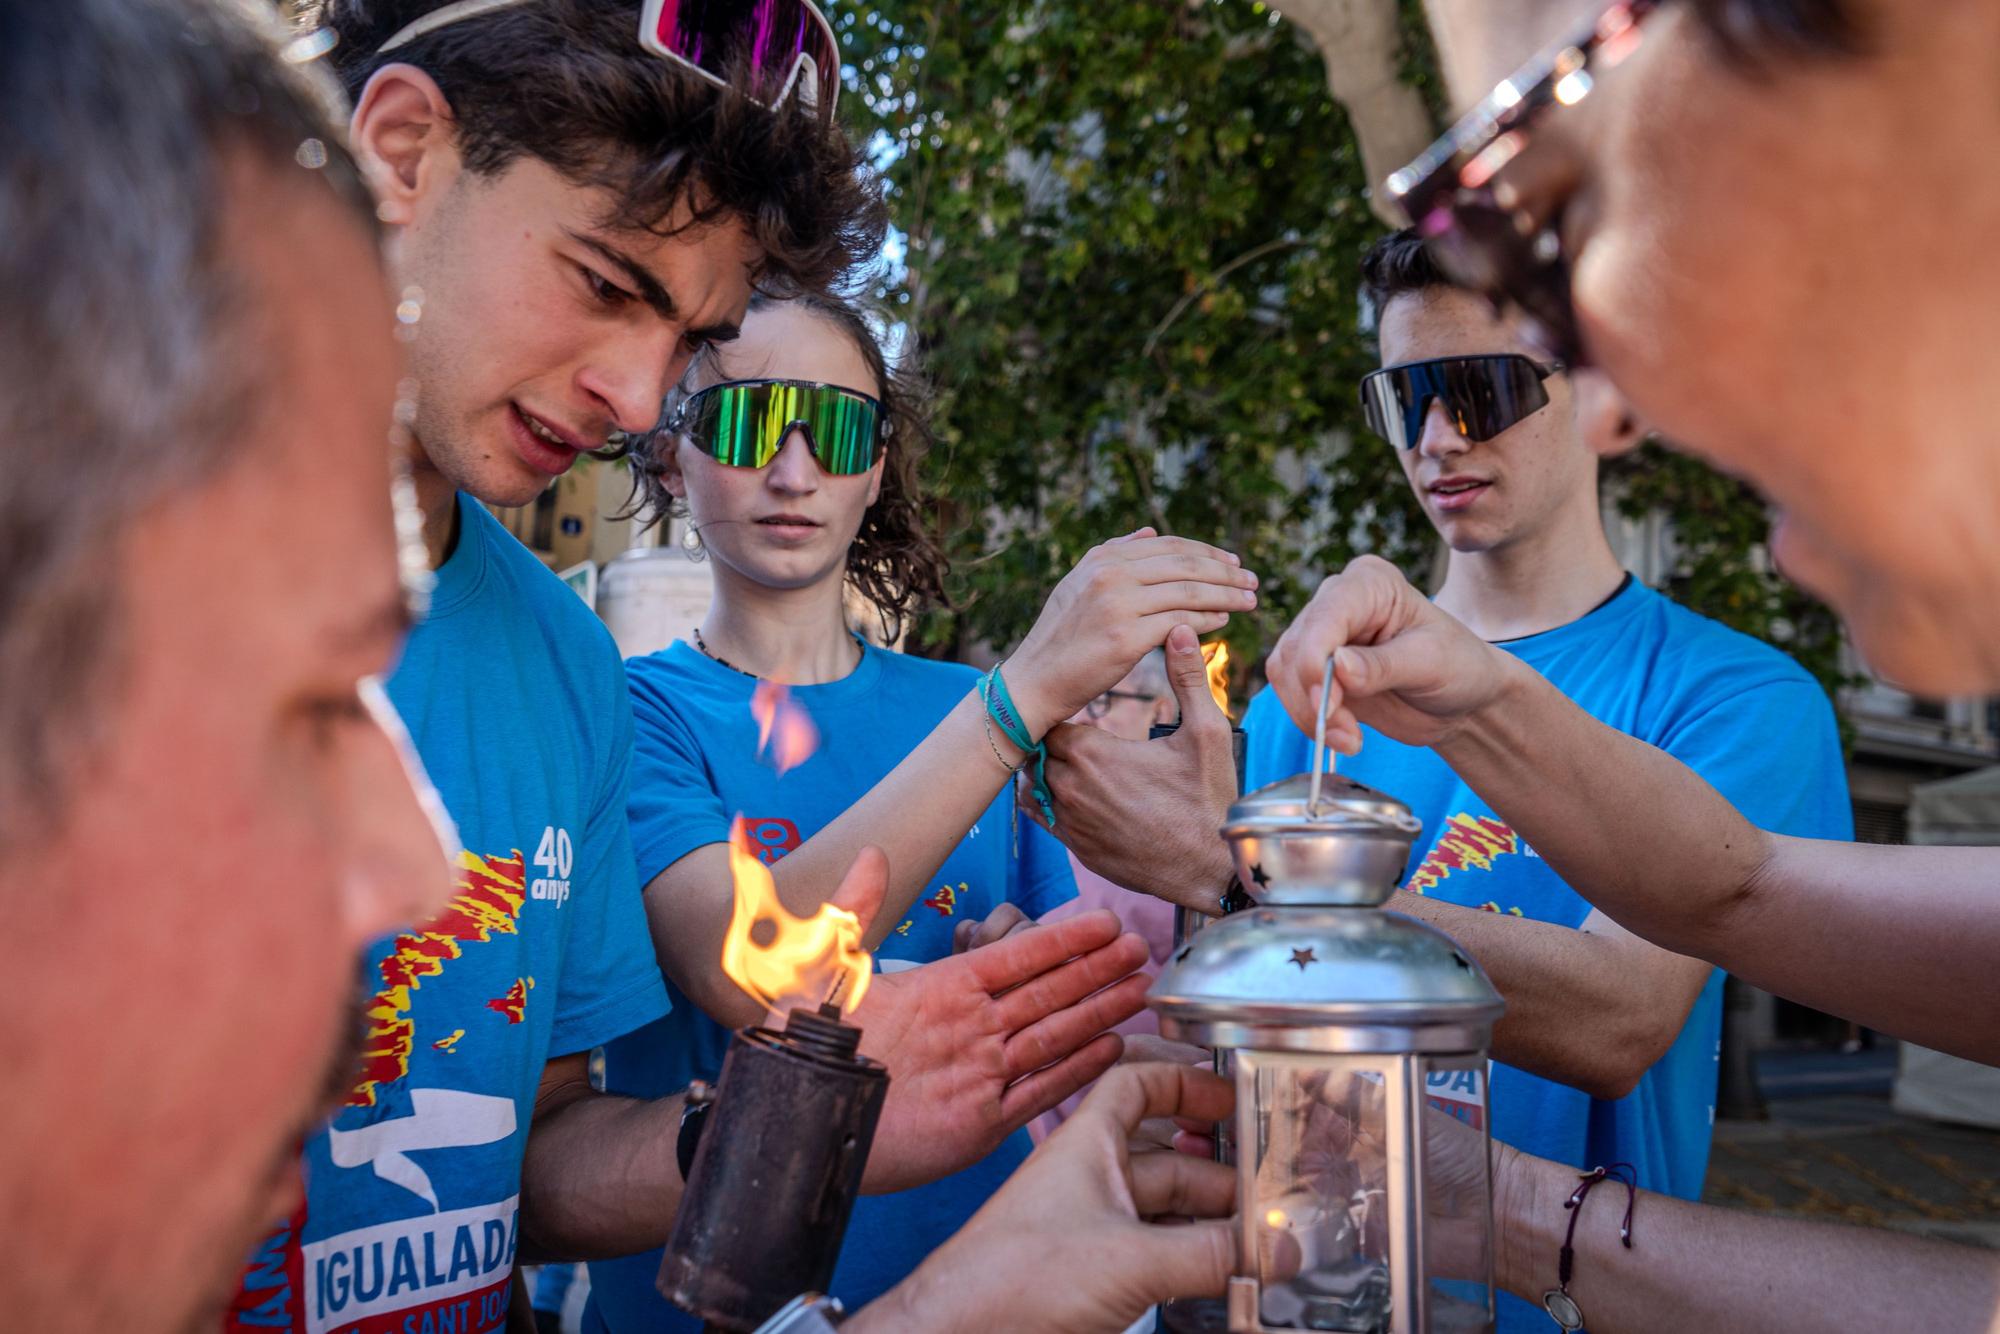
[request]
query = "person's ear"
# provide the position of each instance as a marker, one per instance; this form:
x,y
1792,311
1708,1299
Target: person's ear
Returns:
x,y
875,477
669,464
405,137
1607,422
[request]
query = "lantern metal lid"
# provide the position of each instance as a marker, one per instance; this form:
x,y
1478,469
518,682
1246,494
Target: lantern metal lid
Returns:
x,y
1309,969
1330,841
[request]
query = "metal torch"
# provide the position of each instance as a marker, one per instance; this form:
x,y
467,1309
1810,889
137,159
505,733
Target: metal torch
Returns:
x,y
775,1172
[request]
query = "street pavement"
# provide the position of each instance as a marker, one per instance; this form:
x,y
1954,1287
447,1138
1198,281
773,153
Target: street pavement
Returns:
x,y
1833,1149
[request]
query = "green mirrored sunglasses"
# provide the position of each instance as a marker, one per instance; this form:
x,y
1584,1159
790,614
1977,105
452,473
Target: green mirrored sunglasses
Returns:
x,y
743,423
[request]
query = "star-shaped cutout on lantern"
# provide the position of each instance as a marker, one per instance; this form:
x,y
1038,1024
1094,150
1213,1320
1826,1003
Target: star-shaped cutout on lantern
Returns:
x,y
1257,875
1303,957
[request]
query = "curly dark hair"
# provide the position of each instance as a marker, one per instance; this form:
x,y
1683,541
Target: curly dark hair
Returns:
x,y
896,560
566,82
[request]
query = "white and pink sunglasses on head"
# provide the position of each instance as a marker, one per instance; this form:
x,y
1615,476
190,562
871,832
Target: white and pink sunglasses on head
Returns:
x,y
784,44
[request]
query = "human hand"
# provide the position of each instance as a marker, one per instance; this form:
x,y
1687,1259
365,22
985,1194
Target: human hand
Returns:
x,y
1066,1246
1402,666
980,1044
1148,814
1107,613
1161,1134
1001,923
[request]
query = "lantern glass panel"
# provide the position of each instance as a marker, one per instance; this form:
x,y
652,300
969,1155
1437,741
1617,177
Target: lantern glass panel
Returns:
x,y
1316,1136
1458,1194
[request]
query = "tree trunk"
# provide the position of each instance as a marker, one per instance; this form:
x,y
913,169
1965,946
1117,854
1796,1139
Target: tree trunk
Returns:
x,y
1361,43
1480,42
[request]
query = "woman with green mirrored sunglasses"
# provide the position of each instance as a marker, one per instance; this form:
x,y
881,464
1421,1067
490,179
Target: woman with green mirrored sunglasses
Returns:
x,y
792,455
743,423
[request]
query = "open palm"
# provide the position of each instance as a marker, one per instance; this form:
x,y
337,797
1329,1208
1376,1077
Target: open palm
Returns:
x,y
980,1044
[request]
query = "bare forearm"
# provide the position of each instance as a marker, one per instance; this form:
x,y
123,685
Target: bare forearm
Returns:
x,y
1842,927
600,1178
1632,829
916,815
1699,1267
1900,939
1581,1008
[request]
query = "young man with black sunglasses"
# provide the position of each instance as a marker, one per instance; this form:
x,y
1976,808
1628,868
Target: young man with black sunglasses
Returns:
x,y
1609,1044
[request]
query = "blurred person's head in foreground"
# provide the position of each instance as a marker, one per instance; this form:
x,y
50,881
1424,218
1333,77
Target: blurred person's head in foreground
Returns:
x,y
1777,234
203,809
577,216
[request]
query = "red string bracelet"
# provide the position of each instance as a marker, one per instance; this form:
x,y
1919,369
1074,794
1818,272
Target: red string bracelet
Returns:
x,y
1562,1307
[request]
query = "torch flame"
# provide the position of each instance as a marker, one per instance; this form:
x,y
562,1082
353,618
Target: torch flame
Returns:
x,y
786,737
780,960
1216,655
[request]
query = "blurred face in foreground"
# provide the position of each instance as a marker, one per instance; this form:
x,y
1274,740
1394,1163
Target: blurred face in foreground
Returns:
x,y
181,953
1784,258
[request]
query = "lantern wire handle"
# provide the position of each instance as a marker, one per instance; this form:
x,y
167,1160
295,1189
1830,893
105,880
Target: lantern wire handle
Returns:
x,y
1320,757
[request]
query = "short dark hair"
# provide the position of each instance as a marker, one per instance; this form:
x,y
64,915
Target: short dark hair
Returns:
x,y
1398,265
123,316
566,82
896,561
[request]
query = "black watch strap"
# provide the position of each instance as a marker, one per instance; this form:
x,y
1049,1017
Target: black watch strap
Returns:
x,y
1235,898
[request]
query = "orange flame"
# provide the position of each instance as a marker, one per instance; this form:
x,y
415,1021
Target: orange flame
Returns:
x,y
1216,655
786,737
780,960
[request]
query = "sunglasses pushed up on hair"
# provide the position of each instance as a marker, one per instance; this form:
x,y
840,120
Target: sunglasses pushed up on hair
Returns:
x,y
762,48
1481,396
1483,244
744,423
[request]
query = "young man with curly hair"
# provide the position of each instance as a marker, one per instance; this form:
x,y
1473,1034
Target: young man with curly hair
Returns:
x,y
573,213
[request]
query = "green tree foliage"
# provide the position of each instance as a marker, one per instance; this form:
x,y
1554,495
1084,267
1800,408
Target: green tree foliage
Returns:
x,y
1131,240
1132,237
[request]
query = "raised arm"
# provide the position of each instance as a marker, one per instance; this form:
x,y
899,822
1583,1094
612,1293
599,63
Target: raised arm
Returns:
x,y
1118,603
1900,939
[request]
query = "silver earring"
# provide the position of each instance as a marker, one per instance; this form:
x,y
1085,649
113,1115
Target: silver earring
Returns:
x,y
691,541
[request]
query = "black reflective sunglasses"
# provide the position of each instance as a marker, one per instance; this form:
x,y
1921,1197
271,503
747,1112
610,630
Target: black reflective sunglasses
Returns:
x,y
1508,253
1482,396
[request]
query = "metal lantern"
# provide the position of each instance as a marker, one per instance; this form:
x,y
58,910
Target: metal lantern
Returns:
x,y
1357,1041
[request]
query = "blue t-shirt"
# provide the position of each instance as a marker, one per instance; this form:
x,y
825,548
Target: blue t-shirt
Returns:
x,y
1739,713
694,768
516,700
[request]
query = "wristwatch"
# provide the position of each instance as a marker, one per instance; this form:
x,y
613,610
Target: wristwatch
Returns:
x,y
1234,899
807,1313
